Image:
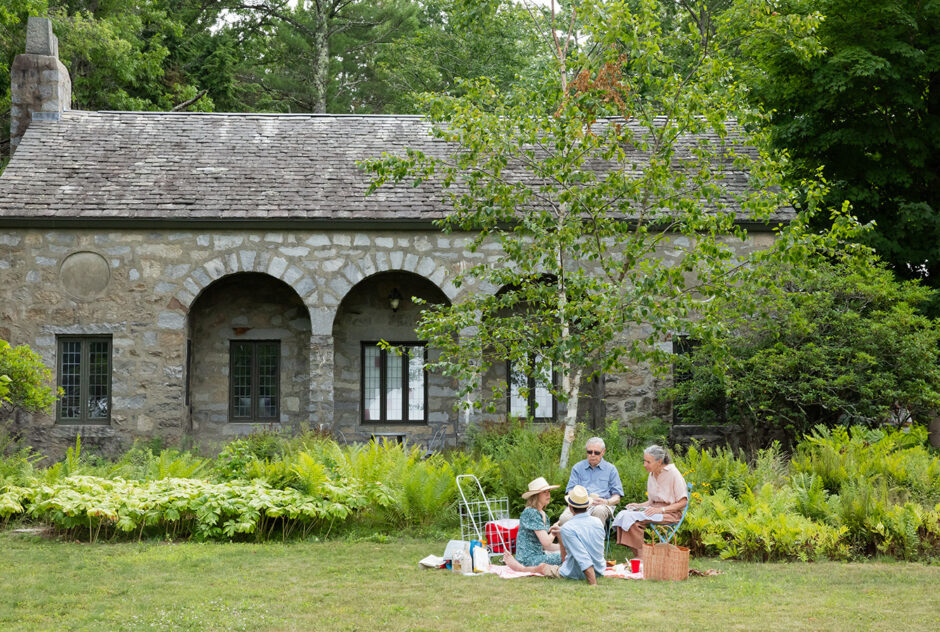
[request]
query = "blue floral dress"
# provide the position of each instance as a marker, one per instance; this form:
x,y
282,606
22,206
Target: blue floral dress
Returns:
x,y
529,551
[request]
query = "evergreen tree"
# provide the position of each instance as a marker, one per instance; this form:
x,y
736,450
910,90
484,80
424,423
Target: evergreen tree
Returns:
x,y
857,94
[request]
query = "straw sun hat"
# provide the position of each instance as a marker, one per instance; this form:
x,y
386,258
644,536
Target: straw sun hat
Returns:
x,y
578,497
538,486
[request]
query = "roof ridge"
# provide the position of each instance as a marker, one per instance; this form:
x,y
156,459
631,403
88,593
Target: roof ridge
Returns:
x,y
247,114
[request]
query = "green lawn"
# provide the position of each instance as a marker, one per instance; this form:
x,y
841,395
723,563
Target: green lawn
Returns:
x,y
47,585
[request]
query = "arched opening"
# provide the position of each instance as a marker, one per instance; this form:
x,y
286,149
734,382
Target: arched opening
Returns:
x,y
247,357
383,393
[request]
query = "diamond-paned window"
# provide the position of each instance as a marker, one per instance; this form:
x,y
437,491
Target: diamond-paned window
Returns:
x,y
254,380
84,375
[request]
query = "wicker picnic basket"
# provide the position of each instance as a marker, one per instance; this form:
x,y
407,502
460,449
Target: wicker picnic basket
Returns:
x,y
665,561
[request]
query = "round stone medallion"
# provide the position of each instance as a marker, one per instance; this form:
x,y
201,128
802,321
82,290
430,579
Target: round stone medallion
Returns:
x,y
84,275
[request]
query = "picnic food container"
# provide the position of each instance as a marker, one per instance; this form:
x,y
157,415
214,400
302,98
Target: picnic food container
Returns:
x,y
501,534
665,561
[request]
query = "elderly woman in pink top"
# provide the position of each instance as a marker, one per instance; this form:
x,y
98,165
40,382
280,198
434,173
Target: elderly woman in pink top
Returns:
x,y
667,495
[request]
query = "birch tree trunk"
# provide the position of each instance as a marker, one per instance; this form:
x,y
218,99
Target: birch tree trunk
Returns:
x,y
571,374
571,384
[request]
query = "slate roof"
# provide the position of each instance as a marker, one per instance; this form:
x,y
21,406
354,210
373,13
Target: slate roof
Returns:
x,y
161,166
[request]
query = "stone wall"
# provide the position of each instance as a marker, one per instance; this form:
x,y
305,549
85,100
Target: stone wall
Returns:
x,y
365,315
141,287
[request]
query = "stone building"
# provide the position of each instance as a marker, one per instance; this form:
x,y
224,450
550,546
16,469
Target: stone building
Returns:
x,y
202,276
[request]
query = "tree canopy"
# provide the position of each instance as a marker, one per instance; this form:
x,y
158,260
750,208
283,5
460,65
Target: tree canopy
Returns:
x,y
269,55
843,345
857,93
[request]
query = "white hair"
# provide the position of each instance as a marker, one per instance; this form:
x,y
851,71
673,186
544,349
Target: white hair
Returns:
x,y
659,453
596,441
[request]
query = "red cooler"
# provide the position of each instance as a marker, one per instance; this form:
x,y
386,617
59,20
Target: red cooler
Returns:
x,y
501,535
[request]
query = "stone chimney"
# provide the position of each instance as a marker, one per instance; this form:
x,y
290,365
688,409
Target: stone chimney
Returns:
x,y
40,87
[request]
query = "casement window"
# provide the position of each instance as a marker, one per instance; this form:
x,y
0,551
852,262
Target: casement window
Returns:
x,y
84,375
530,392
254,380
394,385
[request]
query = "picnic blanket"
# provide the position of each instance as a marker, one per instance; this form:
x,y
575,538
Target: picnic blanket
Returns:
x,y
507,573
620,571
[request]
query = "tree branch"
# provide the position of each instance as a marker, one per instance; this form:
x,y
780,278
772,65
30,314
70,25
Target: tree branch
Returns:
x,y
186,104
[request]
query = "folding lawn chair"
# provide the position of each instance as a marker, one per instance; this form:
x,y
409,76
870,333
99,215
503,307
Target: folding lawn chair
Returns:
x,y
666,531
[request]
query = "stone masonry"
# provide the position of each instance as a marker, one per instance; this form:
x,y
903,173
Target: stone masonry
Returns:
x,y
40,83
156,290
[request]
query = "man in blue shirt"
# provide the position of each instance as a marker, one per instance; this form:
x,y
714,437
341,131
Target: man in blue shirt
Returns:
x,y
582,540
600,478
582,544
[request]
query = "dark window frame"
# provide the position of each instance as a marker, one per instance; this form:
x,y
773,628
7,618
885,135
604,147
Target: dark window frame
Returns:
x,y
530,399
84,419
253,417
383,383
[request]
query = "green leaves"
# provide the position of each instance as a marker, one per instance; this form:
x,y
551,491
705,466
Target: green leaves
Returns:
x,y
849,88
274,488
846,493
25,381
816,337
175,507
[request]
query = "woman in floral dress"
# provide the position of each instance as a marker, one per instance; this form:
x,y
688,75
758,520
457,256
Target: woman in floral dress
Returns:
x,y
536,542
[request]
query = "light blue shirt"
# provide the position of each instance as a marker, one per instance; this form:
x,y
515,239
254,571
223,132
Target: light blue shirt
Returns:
x,y
603,480
583,539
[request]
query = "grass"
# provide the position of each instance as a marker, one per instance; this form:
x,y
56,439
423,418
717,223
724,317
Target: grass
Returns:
x,y
52,585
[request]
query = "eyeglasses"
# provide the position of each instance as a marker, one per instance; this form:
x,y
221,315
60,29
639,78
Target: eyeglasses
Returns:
x,y
594,452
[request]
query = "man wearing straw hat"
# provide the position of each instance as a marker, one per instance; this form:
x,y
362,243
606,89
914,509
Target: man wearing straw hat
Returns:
x,y
582,544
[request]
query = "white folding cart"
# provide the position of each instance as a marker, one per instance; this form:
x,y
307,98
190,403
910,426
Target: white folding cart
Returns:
x,y
482,517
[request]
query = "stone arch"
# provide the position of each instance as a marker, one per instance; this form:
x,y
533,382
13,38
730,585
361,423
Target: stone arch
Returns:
x,y
260,320
364,317
246,260
356,271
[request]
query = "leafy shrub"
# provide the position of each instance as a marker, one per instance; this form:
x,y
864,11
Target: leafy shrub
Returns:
x,y
848,492
714,469
761,526
154,463
106,508
25,382
425,494
521,452
830,344
840,455
17,462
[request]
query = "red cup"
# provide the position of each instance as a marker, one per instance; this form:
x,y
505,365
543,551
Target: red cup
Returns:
x,y
635,565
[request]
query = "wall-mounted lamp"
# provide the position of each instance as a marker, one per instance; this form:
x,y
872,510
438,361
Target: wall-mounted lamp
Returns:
x,y
394,299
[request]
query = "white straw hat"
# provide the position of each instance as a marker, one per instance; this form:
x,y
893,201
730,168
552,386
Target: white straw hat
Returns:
x,y
538,486
578,497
